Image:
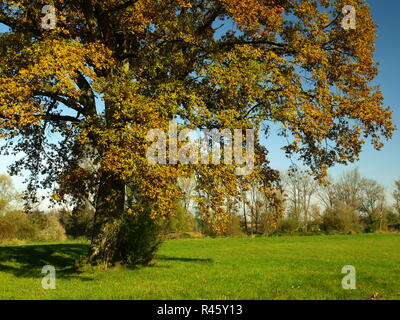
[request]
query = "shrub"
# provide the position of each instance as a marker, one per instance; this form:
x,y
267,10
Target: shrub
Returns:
x,y
51,230
15,225
204,227
234,227
288,226
180,222
341,218
7,229
184,235
25,229
138,238
393,221
77,223
36,226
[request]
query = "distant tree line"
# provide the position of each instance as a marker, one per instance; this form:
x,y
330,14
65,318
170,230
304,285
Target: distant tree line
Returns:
x,y
349,204
297,204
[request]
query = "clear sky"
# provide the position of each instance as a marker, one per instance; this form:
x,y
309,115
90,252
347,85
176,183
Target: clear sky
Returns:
x,y
382,166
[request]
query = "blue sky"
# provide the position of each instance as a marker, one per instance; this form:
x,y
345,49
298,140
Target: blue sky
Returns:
x,y
382,166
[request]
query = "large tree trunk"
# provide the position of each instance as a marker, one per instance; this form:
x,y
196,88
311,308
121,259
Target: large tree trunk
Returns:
x,y
107,221
110,205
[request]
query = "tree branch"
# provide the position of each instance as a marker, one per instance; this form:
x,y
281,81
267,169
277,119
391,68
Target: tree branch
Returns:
x,y
57,118
70,103
122,6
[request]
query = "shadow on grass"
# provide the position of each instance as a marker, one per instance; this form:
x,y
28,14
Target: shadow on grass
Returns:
x,y
28,261
162,257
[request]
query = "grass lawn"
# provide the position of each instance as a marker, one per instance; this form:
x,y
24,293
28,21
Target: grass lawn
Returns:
x,y
215,268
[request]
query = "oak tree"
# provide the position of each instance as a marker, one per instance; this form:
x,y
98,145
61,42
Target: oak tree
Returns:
x,y
90,85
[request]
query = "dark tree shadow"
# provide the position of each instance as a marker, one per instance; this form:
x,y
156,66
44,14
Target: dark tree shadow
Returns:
x,y
162,257
28,261
158,258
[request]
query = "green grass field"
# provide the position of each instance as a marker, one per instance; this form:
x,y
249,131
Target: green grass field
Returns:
x,y
220,268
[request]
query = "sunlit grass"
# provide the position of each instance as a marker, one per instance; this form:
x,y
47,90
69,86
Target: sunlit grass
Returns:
x,y
220,268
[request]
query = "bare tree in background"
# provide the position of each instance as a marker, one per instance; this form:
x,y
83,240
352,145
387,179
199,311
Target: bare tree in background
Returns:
x,y
373,201
327,194
364,196
349,188
9,197
188,187
396,196
300,188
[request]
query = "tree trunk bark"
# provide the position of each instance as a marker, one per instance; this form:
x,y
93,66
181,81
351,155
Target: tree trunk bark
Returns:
x,y
107,221
244,215
110,205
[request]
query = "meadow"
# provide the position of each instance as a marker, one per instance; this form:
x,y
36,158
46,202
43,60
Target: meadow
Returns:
x,y
303,267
